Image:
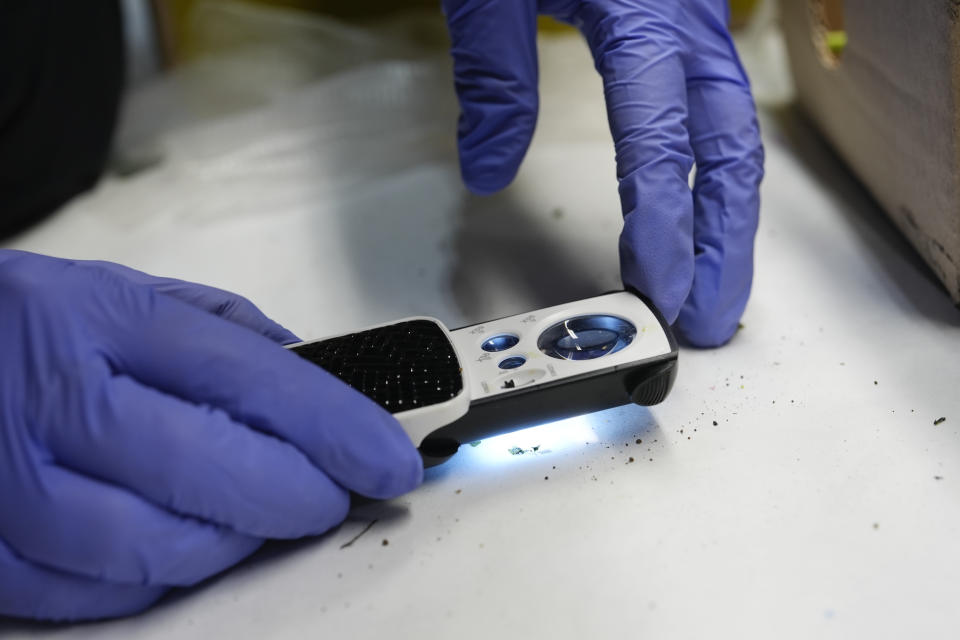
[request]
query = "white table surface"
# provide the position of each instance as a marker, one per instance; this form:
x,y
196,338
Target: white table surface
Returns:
x,y
824,502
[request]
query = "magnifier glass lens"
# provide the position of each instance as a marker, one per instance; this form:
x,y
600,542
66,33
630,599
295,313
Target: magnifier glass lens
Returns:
x,y
586,337
592,342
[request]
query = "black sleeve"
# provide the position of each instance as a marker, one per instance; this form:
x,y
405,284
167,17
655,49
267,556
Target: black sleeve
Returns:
x,y
61,75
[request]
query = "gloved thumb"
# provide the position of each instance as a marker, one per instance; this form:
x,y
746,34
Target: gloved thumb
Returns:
x,y
494,52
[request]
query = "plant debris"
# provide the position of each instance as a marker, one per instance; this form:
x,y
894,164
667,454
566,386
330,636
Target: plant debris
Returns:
x,y
475,443
517,451
350,542
385,542
939,421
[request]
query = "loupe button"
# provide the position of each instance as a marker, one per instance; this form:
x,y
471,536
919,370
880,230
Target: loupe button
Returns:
x,y
500,342
512,362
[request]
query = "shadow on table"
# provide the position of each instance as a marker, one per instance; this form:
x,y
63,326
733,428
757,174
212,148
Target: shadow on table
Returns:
x,y
893,253
508,260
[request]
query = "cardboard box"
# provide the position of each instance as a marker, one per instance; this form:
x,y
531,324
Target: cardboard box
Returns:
x,y
881,78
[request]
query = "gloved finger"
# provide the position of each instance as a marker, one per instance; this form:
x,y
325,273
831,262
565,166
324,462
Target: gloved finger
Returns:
x,y
196,461
224,304
228,306
100,531
192,355
31,591
494,48
644,82
726,142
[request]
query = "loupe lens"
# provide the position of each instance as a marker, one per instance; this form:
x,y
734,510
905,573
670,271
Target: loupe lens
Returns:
x,y
586,337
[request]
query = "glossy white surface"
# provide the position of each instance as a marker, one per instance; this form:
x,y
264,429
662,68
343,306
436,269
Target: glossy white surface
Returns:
x,y
794,485
486,376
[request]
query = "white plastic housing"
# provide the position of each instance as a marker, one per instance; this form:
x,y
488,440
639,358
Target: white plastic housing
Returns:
x,y
486,378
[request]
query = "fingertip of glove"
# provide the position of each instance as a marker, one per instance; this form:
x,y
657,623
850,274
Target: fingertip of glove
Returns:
x,y
668,300
491,153
401,469
284,336
384,463
486,180
705,334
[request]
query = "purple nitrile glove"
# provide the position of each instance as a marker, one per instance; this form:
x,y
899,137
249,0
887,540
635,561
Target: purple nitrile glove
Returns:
x,y
676,94
153,432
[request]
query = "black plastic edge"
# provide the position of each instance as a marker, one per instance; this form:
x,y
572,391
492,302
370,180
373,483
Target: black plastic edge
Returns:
x,y
646,383
605,389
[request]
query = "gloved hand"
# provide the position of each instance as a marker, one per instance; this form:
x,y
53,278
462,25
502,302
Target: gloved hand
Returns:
x,y
675,93
153,433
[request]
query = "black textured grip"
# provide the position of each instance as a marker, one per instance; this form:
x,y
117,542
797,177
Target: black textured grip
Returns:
x,y
651,385
402,366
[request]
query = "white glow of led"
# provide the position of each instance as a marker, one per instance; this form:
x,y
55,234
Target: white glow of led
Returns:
x,y
550,437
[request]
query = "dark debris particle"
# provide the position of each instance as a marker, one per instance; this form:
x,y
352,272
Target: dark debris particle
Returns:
x,y
874,382
876,525
546,477
639,441
630,459
714,423
349,543
385,542
938,477
459,491
940,420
